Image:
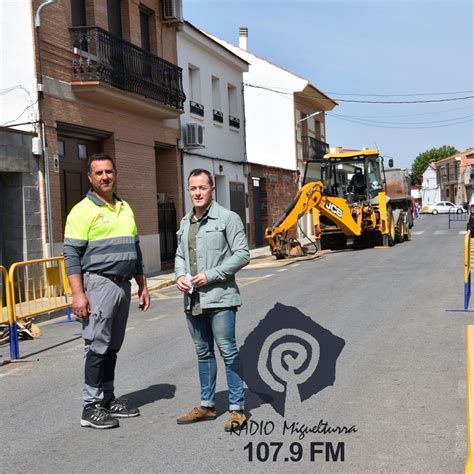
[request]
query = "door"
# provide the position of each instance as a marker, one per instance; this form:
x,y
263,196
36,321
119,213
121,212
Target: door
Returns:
x,y
257,211
74,184
237,200
114,17
168,229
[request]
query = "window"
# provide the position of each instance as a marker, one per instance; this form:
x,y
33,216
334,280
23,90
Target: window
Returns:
x,y
218,116
320,130
195,83
78,13
60,148
82,151
216,95
195,106
145,16
78,18
232,100
114,17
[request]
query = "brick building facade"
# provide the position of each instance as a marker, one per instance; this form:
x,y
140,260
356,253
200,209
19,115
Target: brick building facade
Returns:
x,y
454,177
111,84
271,191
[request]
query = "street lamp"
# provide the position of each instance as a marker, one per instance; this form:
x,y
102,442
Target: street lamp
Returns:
x,y
47,184
38,12
309,116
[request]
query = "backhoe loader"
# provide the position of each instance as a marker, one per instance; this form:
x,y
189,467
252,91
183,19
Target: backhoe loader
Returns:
x,y
345,193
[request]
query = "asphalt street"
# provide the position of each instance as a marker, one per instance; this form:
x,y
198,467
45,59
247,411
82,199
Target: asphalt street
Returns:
x,y
397,404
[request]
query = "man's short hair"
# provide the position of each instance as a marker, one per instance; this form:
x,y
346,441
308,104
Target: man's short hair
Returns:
x,y
99,157
198,171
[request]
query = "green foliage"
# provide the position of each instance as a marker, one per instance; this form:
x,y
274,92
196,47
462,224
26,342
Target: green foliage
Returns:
x,y
423,159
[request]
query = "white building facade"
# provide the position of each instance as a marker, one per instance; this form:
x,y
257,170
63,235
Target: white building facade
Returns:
x,y
430,189
284,124
18,85
277,101
22,209
213,119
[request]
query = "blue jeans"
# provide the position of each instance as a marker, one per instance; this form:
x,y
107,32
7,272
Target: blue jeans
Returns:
x,y
217,326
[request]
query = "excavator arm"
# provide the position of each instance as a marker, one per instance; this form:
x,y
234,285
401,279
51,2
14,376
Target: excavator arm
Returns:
x,y
310,197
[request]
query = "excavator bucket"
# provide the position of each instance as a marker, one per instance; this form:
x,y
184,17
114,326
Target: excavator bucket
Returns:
x,y
296,249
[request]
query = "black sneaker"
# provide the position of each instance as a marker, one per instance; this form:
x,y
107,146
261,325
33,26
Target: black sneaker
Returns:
x,y
95,416
118,408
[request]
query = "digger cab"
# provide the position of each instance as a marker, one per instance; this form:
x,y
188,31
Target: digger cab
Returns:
x,y
354,175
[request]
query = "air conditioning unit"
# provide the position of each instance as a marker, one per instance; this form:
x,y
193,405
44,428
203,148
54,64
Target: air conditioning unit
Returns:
x,y
172,11
194,134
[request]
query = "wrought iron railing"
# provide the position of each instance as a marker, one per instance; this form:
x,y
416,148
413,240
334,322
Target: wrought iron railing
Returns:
x,y
196,108
218,116
234,121
314,149
104,57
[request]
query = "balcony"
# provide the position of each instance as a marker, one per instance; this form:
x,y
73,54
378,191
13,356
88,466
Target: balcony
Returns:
x,y
103,60
314,149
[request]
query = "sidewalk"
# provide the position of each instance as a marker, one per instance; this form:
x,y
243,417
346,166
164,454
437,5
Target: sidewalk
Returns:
x,y
260,257
164,279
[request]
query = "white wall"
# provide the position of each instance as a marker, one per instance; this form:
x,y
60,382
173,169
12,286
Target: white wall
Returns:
x,y
220,140
270,120
17,72
223,144
430,192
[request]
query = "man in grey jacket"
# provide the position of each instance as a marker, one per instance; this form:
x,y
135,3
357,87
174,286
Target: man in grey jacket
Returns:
x,y
212,248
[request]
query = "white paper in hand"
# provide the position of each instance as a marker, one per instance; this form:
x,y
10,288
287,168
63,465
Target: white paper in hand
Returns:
x,y
187,279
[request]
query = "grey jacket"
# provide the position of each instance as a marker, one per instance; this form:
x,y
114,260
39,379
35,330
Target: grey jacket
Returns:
x,y
222,250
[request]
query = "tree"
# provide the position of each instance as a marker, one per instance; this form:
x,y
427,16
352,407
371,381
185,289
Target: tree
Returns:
x,y
425,158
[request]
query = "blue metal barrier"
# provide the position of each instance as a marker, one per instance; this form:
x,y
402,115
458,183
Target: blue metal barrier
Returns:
x,y
455,216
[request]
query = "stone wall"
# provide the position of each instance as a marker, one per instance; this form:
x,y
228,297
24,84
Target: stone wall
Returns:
x,y
20,223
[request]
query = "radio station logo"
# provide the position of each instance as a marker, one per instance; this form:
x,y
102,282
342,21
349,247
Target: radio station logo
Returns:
x,y
288,358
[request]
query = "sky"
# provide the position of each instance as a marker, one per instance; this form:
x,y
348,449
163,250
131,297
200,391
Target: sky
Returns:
x,y
376,50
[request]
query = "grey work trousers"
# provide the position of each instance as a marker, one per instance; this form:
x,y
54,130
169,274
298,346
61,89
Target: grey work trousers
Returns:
x,y
103,333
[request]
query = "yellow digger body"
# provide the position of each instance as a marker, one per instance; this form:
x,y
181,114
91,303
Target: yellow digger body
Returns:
x,y
339,214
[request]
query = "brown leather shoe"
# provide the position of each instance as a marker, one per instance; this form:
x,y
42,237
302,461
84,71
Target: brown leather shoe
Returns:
x,y
197,414
235,422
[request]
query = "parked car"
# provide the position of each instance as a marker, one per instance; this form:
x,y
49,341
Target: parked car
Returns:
x,y
443,207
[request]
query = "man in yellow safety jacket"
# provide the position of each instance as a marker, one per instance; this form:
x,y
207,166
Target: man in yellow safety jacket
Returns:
x,y
102,253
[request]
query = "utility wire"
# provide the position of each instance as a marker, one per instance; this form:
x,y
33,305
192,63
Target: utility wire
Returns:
x,y
431,101
402,123
24,110
371,95
400,95
402,128
437,112
22,123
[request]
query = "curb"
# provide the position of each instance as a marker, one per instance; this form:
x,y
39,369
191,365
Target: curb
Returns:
x,y
156,286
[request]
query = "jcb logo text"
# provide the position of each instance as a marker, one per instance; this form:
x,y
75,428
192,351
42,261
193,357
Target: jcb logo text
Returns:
x,y
334,209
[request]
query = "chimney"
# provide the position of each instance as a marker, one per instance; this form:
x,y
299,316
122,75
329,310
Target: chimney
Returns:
x,y
243,35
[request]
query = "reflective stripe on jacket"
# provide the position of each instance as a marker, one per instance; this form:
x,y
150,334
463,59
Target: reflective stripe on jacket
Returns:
x,y
101,239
